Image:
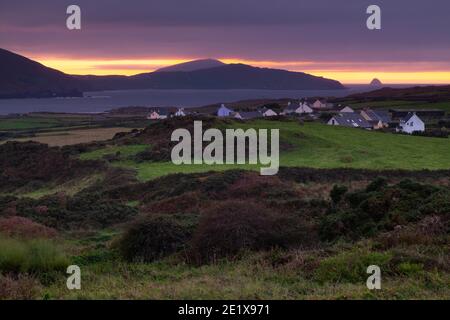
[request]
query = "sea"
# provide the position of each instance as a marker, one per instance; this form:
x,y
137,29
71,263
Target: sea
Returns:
x,y
101,101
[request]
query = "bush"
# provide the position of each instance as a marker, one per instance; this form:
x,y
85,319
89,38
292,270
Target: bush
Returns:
x,y
337,193
34,256
227,228
156,236
24,228
87,210
377,184
351,266
22,287
381,208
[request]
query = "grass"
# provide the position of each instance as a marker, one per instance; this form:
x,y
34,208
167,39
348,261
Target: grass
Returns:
x,y
126,150
252,277
28,123
69,137
321,146
400,104
69,188
31,256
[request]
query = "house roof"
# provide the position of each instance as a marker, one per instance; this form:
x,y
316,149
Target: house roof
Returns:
x,y
409,116
250,114
161,112
225,108
347,109
353,120
379,115
293,106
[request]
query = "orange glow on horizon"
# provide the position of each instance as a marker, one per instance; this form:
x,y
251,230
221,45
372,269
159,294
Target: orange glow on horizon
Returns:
x,y
350,75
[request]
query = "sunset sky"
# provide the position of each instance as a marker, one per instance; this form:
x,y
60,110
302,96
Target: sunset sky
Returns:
x,y
326,38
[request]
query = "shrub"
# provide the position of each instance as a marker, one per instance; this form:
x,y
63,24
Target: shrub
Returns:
x,y
155,236
24,228
86,209
31,256
382,208
23,287
229,227
351,266
337,193
377,184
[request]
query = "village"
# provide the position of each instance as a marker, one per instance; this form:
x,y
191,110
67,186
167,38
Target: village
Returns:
x,y
395,120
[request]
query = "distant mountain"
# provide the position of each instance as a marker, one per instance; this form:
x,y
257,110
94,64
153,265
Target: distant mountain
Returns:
x,y
21,77
227,76
376,83
193,65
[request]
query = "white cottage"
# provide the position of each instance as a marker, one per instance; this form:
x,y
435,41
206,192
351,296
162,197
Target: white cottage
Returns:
x,y
320,104
411,123
224,111
304,108
299,108
180,112
266,112
158,114
347,109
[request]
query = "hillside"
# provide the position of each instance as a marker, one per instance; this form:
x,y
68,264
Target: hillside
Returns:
x,y
193,65
230,76
310,145
21,77
427,97
306,233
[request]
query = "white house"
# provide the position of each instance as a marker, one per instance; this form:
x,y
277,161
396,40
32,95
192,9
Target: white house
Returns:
x,y
224,111
320,104
347,109
266,112
304,108
352,120
158,114
180,113
411,123
300,108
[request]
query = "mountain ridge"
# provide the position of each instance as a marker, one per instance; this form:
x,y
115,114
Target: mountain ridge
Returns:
x,y
27,78
192,65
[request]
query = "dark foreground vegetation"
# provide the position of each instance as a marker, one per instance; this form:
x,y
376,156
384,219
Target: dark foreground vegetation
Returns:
x,y
305,233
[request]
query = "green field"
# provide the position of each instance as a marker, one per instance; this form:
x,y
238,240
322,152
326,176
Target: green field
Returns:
x,y
400,104
320,146
28,123
112,150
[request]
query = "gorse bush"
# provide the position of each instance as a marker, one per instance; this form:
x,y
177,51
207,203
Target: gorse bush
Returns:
x,y
155,236
87,210
337,193
380,208
24,228
32,256
229,227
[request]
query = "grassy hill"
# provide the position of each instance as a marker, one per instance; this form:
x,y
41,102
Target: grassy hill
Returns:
x,y
302,234
429,97
320,146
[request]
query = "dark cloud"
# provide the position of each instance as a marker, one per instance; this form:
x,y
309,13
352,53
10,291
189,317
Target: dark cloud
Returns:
x,y
413,30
